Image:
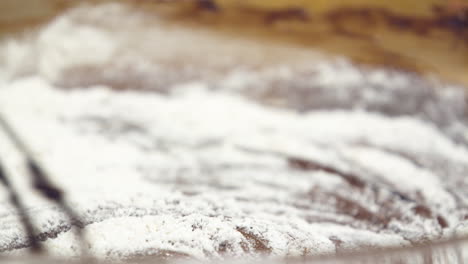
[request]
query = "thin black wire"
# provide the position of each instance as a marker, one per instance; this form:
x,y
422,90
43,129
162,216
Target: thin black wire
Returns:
x,y
25,220
41,183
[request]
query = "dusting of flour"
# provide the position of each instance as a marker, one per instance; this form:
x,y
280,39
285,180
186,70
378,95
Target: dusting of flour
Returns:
x,y
207,170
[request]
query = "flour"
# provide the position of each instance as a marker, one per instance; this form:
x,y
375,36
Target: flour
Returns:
x,y
205,169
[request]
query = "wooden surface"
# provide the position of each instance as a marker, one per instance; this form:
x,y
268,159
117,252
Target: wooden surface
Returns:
x,y
338,27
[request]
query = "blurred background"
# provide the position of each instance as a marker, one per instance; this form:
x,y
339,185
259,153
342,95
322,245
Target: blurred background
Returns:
x,y
426,36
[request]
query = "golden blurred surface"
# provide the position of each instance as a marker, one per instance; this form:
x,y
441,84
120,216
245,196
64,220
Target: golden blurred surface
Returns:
x,y
429,36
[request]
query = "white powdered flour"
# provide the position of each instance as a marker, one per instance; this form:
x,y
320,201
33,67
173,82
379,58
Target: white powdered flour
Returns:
x,y
208,170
